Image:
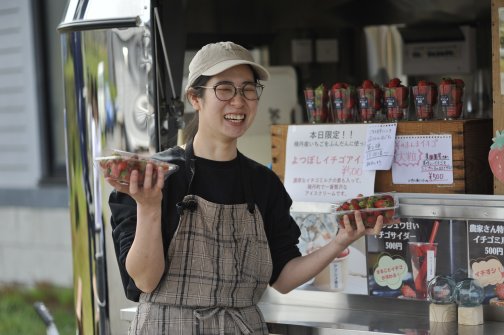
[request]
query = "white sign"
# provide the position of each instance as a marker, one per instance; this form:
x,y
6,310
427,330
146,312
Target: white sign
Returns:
x,y
323,162
380,145
423,159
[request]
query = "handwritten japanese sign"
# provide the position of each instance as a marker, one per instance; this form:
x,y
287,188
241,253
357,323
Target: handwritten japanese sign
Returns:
x,y
323,163
423,159
380,145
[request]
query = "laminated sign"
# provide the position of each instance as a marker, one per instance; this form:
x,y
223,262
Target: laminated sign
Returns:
x,y
324,162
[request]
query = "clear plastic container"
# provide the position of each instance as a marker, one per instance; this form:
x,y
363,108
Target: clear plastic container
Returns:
x,y
370,207
120,164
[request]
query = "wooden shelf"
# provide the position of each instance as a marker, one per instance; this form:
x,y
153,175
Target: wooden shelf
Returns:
x,y
471,140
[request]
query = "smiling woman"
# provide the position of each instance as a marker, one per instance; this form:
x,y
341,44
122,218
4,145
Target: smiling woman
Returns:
x,y
224,228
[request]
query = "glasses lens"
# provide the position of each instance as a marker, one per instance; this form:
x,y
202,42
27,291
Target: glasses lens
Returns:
x,y
224,92
252,91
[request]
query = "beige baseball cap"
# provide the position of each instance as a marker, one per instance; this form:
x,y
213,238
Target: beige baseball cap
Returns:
x,y
215,58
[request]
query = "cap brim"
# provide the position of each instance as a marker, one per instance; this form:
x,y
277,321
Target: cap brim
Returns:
x,y
227,64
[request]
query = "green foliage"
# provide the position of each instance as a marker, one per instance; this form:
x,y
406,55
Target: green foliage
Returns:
x,y
17,315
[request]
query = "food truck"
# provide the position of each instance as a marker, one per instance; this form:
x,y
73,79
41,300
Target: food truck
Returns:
x,y
366,108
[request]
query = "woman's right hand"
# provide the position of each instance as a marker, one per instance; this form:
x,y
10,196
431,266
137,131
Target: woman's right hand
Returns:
x,y
150,192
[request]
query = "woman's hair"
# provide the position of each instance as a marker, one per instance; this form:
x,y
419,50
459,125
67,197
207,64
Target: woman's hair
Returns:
x,y
191,128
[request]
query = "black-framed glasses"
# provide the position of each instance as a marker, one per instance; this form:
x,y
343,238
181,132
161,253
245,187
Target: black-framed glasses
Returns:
x,y
227,91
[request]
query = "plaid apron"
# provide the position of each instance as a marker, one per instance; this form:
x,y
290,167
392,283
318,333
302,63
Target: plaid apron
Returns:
x,y
219,265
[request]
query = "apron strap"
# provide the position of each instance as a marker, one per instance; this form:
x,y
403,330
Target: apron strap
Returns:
x,y
247,184
188,202
190,163
207,313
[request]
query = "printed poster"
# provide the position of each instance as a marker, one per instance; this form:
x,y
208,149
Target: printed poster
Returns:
x,y
401,261
486,257
423,159
324,162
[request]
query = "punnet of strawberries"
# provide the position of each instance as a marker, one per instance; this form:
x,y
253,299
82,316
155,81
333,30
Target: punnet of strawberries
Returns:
x,y
119,167
369,207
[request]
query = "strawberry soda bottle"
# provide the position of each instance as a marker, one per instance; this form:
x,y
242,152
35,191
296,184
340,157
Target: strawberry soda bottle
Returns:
x,y
423,265
425,95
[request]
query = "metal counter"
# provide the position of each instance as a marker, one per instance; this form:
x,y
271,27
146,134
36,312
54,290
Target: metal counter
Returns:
x,y
304,312
307,310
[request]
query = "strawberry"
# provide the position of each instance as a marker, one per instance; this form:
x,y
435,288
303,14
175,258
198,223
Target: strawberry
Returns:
x,y
395,82
499,291
407,291
122,166
354,204
388,216
367,84
496,156
382,203
370,221
459,83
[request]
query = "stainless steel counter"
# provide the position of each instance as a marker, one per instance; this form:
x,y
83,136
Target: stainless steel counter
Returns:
x,y
309,312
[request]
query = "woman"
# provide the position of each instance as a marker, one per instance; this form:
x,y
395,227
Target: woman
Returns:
x,y
199,248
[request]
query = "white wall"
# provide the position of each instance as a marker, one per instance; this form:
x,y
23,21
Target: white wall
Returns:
x,y
20,165
35,246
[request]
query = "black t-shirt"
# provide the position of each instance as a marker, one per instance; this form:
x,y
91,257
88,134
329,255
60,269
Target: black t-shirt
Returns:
x,y
218,182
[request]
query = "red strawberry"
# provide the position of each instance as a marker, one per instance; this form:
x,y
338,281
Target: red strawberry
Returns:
x,y
496,156
499,291
382,203
354,204
459,82
395,82
370,221
407,291
367,84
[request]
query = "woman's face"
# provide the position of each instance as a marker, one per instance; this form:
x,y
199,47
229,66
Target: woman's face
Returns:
x,y
226,120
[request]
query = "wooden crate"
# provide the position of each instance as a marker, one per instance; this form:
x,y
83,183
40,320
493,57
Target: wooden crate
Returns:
x,y
471,140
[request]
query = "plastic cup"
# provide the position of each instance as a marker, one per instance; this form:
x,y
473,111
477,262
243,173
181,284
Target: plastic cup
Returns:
x,y
396,100
423,265
343,104
425,98
316,105
369,103
451,101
